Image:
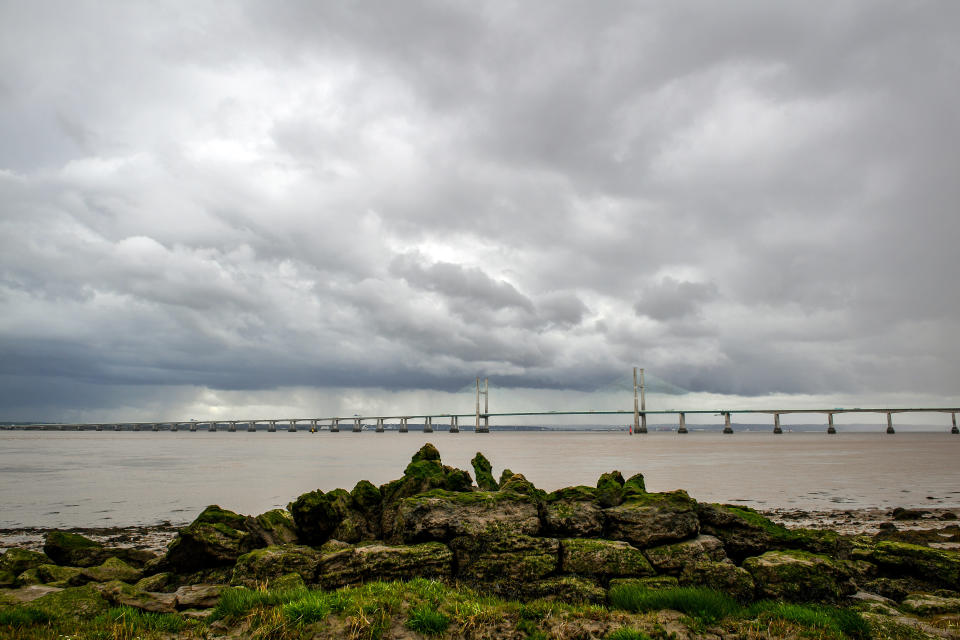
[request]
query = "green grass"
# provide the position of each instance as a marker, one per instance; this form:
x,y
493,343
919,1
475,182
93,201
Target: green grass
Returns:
x,y
626,633
311,607
23,617
426,619
704,605
136,620
237,601
813,616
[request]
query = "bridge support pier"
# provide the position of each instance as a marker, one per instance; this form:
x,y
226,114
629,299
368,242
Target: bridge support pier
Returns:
x,y
953,429
357,427
272,426
454,424
683,423
335,425
403,425
193,426
155,427
428,425
174,427
776,424
136,427
232,426
100,426
830,428
251,427
293,427
379,428
890,423
726,423
313,426
212,427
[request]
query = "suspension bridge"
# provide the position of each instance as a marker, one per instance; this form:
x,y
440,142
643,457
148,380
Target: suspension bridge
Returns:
x,y
481,417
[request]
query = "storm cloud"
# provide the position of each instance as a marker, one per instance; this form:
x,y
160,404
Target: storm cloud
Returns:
x,y
306,204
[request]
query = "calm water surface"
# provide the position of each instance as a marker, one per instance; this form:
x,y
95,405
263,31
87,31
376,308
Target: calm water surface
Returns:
x,y
91,479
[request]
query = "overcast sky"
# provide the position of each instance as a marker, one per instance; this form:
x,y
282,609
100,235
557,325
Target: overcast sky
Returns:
x,y
229,208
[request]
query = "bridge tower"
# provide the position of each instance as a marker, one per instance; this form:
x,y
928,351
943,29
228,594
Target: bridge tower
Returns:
x,y
726,423
639,412
486,406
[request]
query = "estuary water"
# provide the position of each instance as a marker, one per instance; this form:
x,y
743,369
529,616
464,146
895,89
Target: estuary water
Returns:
x,y
105,479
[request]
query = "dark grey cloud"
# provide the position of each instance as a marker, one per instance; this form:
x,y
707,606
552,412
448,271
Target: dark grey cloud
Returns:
x,y
745,198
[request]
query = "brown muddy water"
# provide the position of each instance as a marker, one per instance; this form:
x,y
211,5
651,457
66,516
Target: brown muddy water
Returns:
x,y
107,479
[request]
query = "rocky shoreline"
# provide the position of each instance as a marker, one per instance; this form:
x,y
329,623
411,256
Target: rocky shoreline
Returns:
x,y
610,549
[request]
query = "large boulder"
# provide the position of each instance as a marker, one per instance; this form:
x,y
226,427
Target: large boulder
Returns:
x,y
504,563
673,558
652,519
215,539
73,549
373,561
112,569
16,561
573,512
265,566
54,575
610,489
317,514
744,533
483,471
799,576
122,594
603,558
936,566
273,527
442,515
721,576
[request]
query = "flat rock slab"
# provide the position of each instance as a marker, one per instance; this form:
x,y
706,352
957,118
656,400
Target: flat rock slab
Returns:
x,y
926,604
198,596
30,593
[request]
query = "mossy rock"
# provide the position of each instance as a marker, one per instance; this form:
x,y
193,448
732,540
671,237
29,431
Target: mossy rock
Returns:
x,y
517,483
288,582
603,558
53,575
652,582
16,561
73,550
567,589
271,563
112,569
7,579
273,527
374,561
122,594
577,493
572,518
505,475
799,576
426,452
315,517
212,540
673,558
610,489
367,497
745,532
157,582
720,576
483,471
440,515
634,486
73,602
936,566
927,604
503,563
653,519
